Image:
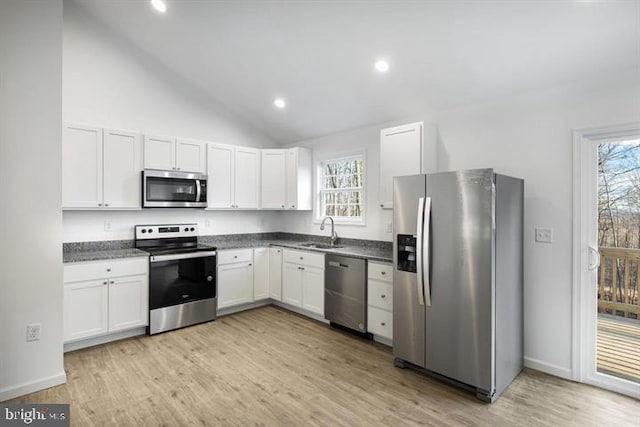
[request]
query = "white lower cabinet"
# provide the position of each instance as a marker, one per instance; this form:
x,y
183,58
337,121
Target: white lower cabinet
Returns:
x,y
303,280
313,289
235,277
105,296
292,284
380,299
128,302
261,274
275,273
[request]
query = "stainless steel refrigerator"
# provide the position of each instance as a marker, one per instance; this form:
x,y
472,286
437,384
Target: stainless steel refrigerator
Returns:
x,y
457,280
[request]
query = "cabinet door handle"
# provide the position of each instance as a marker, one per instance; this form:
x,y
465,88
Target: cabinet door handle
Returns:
x,y
249,265
382,324
383,272
383,296
382,205
105,282
99,204
235,256
293,206
301,258
112,282
106,204
283,206
108,270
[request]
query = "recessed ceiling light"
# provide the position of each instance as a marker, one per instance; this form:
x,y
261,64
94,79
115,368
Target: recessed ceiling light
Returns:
x,y
382,66
159,5
279,102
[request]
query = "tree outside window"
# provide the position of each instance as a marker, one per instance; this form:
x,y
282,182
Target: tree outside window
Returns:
x,y
341,189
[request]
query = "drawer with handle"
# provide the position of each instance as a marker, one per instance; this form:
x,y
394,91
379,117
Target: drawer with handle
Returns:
x,y
380,295
304,258
235,255
92,270
380,271
380,322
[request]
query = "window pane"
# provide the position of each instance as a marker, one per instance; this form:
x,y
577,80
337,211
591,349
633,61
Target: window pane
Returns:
x,y
342,174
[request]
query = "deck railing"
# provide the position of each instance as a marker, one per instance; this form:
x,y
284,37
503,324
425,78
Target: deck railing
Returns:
x,y
618,282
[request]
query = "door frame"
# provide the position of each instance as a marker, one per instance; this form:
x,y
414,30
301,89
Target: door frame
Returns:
x,y
584,299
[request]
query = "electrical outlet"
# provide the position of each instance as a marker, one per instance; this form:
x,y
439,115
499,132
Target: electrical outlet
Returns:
x,y
388,227
544,235
207,223
107,225
33,332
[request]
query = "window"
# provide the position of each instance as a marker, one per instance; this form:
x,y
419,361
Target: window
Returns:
x,y
341,189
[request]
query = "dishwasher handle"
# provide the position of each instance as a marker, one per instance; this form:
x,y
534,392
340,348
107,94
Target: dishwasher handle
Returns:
x,y
337,264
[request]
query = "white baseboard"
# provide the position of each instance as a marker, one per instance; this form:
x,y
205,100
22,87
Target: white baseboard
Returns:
x,y
248,306
548,368
299,310
102,339
383,340
7,393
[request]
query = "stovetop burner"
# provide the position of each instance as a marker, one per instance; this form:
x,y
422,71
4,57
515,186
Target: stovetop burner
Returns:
x,y
166,239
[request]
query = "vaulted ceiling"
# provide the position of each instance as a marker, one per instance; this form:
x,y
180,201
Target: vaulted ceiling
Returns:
x,y
319,55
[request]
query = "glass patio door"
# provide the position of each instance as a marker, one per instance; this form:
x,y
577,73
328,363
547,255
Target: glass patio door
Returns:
x,y
617,334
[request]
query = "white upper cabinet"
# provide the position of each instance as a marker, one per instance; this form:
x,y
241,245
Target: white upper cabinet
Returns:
x,y
81,166
273,183
159,152
299,179
168,153
405,150
233,174
122,165
100,168
247,176
220,173
191,155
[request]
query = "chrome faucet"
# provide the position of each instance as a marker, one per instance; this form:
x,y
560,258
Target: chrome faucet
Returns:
x,y
334,235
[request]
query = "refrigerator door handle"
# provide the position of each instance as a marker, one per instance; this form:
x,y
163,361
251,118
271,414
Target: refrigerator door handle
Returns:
x,y
419,243
427,252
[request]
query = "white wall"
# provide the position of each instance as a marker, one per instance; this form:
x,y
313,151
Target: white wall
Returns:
x,y
90,226
109,82
365,140
530,137
30,214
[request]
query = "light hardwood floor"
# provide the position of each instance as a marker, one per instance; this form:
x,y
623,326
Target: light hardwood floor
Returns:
x,y
270,367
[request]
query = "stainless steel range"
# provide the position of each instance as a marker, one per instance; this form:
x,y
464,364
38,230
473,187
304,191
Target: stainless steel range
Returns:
x,y
182,276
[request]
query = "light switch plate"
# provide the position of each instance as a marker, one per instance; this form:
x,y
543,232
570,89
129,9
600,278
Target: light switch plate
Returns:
x,y
544,235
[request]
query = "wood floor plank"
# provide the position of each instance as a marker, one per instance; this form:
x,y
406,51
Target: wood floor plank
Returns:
x,y
271,367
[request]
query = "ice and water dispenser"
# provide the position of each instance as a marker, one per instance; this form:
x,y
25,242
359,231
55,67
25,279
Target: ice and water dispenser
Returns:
x,y
407,253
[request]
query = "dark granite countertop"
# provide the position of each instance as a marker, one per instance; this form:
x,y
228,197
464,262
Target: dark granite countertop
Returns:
x,y
96,255
365,249
372,254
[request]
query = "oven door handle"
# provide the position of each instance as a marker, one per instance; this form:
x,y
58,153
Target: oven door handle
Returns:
x,y
172,257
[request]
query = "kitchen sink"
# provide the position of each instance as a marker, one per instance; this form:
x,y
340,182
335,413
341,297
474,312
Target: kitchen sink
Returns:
x,y
314,245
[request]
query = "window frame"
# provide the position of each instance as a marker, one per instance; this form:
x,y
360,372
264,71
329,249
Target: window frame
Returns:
x,y
319,187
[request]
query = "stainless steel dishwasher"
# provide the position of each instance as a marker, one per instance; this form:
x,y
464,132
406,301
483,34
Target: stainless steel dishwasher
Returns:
x,y
345,292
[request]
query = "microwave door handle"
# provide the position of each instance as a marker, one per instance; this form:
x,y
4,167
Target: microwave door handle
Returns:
x,y
427,252
198,190
419,241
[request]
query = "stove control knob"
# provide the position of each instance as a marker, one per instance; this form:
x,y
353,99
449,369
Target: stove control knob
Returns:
x,y
186,229
193,229
144,230
150,230
209,278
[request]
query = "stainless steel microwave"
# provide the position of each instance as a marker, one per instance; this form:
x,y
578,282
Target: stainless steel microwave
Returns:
x,y
170,189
